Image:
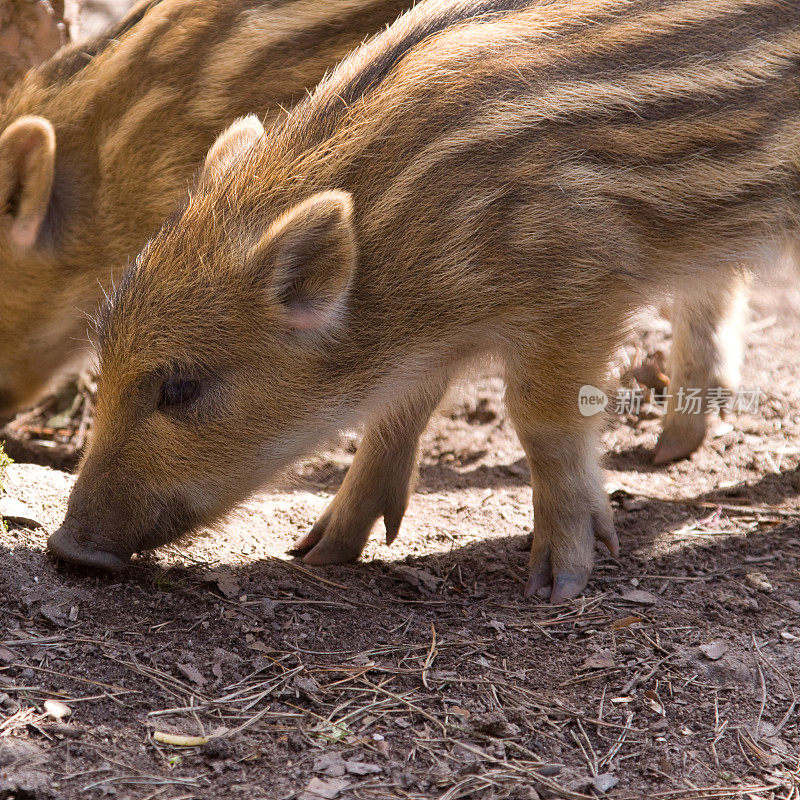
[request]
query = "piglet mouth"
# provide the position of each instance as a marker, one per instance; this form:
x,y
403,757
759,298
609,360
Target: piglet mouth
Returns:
x,y
75,547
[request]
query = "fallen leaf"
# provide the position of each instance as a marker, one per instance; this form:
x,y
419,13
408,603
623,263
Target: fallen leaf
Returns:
x,y
640,597
383,747
624,622
307,685
602,783
360,768
601,660
321,789
419,577
442,675
714,650
330,764
653,701
226,582
54,615
192,673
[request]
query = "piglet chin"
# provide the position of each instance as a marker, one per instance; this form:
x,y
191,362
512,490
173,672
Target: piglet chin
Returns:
x,y
68,545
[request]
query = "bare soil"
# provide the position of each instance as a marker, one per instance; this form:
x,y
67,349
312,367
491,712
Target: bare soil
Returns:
x,y
32,30
421,672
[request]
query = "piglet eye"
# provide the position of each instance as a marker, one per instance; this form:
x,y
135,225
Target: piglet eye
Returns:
x,y
178,392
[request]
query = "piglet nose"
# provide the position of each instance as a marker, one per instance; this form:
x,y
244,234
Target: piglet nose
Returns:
x,y
69,544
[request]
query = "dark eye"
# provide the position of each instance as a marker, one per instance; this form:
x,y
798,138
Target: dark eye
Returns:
x,y
178,392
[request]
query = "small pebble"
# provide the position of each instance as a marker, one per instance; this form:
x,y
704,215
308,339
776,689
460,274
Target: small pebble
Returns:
x,y
57,710
759,581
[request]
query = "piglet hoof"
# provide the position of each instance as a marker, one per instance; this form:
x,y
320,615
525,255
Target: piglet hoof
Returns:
x,y
67,545
319,547
563,585
559,573
682,435
305,543
339,535
331,551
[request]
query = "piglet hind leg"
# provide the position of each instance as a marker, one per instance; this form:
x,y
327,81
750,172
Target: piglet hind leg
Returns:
x,y
707,325
571,508
378,483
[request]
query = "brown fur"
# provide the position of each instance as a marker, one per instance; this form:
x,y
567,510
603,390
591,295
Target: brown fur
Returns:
x,y
98,146
517,178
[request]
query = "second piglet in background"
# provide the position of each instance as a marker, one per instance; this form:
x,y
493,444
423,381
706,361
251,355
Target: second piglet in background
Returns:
x,y
99,144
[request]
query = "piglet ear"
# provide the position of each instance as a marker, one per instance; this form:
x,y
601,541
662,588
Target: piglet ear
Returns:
x,y
27,168
309,255
231,143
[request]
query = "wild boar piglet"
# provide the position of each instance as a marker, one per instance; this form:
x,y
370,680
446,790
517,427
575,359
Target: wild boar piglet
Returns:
x,y
99,144
504,178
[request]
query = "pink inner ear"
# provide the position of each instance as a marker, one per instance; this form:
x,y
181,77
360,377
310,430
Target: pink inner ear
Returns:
x,y
24,232
305,316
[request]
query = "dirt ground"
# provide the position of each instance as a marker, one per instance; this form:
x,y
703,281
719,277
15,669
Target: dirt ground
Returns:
x,y
422,672
32,30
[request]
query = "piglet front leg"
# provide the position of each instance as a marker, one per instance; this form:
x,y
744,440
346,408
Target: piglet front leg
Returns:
x,y
378,483
571,508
